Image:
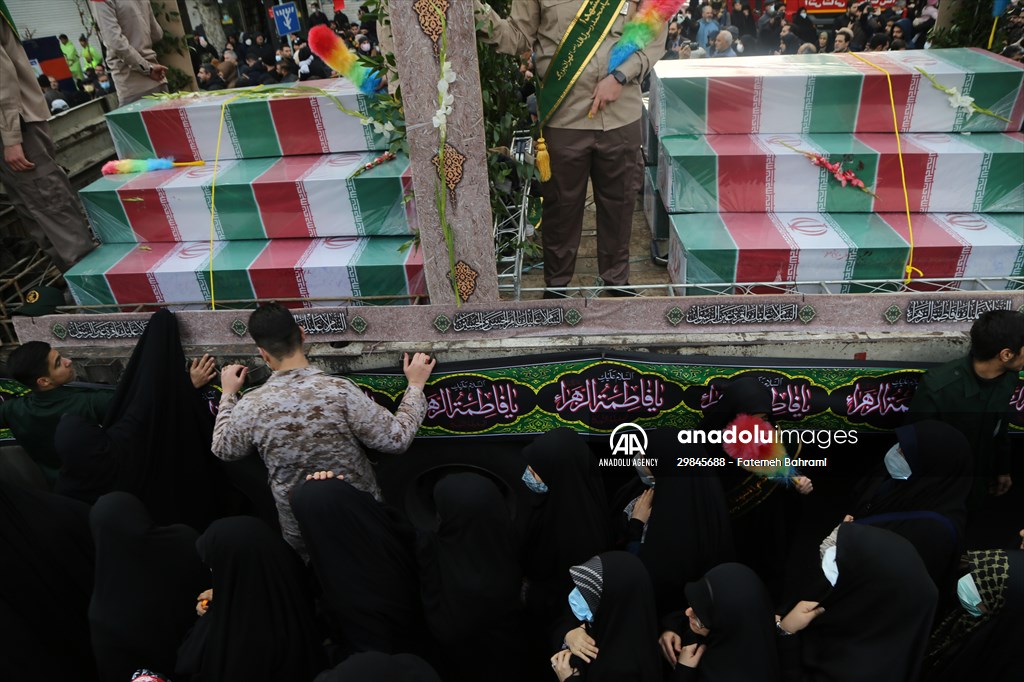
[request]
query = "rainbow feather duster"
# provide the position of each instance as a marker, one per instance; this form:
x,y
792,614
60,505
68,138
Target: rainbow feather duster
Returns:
x,y
328,46
642,29
122,166
763,445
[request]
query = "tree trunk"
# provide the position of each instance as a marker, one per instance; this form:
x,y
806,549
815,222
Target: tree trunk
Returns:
x,y
947,9
169,19
210,16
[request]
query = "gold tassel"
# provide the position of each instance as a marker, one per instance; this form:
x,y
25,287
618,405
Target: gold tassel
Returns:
x,y
543,160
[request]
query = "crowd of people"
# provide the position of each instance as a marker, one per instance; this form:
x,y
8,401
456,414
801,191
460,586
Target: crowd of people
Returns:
x,y
249,59
728,29
159,548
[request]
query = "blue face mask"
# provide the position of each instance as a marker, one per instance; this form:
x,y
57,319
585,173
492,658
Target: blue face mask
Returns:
x,y
896,463
533,484
579,606
968,594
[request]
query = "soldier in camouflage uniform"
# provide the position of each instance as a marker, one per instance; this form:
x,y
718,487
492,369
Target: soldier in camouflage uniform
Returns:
x,y
303,420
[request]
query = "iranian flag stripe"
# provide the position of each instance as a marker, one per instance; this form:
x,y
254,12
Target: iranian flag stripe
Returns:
x,y
820,251
328,268
281,202
128,130
231,266
106,214
273,272
732,104
202,121
795,180
186,201
252,129
991,251
764,253
130,279
146,208
999,90
854,156
702,249
880,252
936,253
415,278
238,215
875,111
689,184
167,128
88,278
299,130
326,202
743,176
174,275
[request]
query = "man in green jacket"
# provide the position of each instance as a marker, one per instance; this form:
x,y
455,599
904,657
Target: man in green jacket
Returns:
x,y
90,54
973,394
71,56
33,418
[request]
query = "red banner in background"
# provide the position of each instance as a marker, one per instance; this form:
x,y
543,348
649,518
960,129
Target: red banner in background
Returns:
x,y
339,5
819,6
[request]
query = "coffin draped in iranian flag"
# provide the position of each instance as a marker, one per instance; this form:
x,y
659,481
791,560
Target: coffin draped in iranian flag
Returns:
x,y
721,250
333,195
837,93
324,271
945,172
654,207
279,120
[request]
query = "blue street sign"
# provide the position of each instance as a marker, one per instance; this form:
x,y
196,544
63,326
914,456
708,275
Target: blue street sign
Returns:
x,y
286,17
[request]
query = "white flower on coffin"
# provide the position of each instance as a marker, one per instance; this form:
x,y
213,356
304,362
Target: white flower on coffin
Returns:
x,y
446,101
378,127
958,101
440,122
389,127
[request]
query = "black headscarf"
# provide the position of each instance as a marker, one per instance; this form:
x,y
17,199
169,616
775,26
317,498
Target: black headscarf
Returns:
x,y
469,572
261,619
156,440
571,523
940,463
689,530
878,614
743,491
354,540
941,468
791,43
803,27
733,603
374,666
147,579
983,648
625,628
46,570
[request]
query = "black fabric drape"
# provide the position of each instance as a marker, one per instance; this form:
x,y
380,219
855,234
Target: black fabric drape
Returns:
x,y
363,554
46,572
689,531
625,628
147,579
470,579
733,603
261,625
878,614
374,666
156,440
940,463
569,525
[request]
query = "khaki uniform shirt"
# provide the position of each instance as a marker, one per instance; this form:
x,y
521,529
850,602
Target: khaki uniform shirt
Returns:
x,y
128,28
20,95
302,421
539,25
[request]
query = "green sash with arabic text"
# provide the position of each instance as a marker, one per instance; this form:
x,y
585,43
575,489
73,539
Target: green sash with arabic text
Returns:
x,y
579,44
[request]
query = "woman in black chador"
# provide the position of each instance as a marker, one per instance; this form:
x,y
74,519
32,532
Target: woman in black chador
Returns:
x,y
147,579
470,580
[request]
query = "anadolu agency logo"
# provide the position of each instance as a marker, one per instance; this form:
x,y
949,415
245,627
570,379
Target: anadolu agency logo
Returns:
x,y
628,443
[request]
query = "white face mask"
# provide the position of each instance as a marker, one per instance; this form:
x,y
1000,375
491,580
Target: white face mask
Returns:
x,y
248,41
739,48
896,464
365,47
803,15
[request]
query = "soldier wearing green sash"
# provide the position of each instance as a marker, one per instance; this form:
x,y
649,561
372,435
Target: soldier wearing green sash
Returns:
x,y
590,122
